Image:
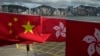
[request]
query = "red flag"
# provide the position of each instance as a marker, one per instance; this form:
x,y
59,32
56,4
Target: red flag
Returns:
x,y
12,25
83,38
56,27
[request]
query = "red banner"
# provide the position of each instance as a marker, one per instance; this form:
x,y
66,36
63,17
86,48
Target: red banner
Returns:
x,y
13,25
83,38
56,27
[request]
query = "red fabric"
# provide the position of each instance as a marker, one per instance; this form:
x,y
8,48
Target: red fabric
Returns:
x,y
16,27
49,26
37,36
82,38
6,41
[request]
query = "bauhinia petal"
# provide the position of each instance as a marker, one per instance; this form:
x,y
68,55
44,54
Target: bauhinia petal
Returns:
x,y
89,39
61,25
91,49
98,49
56,27
63,34
97,34
64,30
58,33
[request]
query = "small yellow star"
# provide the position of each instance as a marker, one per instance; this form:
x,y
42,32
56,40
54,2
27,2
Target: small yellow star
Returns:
x,y
28,27
15,19
10,31
10,24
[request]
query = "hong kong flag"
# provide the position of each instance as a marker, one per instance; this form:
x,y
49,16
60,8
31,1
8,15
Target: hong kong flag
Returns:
x,y
56,27
83,38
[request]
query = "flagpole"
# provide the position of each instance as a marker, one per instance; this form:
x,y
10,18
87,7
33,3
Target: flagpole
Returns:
x,y
27,48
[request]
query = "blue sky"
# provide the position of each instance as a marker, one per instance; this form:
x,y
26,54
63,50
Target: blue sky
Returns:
x,y
54,3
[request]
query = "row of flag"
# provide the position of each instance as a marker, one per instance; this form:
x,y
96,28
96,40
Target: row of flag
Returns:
x,y
82,38
30,28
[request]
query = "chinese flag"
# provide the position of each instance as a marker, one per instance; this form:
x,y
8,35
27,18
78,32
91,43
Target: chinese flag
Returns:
x,y
12,25
56,27
83,38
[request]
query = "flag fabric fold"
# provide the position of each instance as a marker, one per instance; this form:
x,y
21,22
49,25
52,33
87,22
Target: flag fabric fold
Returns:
x,y
37,36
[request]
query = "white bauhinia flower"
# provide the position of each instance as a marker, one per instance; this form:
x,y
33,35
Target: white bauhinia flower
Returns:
x,y
94,42
60,30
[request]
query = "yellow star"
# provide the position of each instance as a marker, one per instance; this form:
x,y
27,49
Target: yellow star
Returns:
x,y
28,27
10,31
15,19
10,24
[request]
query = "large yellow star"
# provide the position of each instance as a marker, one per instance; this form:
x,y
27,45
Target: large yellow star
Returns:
x,y
28,27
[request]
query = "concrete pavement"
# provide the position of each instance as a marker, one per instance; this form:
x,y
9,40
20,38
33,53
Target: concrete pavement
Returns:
x,y
47,49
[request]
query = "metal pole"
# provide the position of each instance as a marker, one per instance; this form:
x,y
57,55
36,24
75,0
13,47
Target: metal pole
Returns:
x,y
27,48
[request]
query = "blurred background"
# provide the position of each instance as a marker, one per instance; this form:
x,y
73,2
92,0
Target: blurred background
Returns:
x,y
61,8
